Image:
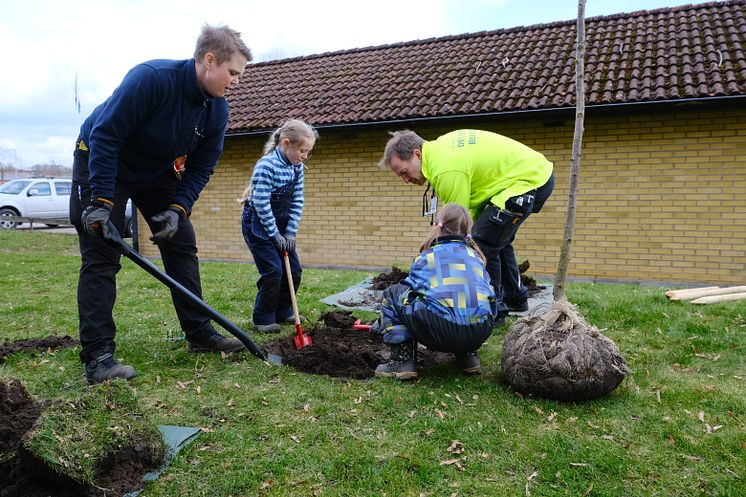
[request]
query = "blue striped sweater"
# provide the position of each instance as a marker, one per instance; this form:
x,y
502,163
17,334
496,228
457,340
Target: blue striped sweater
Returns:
x,y
273,171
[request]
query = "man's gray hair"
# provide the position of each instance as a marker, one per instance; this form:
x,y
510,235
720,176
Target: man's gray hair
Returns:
x,y
402,144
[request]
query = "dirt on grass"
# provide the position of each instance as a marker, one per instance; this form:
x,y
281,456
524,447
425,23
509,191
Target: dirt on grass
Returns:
x,y
340,351
39,344
22,474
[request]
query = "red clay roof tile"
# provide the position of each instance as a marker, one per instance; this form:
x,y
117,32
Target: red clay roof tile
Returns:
x,y
693,51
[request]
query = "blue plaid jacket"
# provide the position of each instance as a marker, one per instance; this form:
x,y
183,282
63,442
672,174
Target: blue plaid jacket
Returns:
x,y
449,280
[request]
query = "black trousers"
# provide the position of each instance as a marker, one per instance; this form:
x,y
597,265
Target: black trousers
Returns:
x,y
100,263
494,232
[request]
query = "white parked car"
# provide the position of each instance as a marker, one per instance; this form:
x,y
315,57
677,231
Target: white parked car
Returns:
x,y
38,198
45,199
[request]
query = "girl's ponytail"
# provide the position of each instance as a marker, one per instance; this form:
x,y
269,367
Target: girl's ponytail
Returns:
x,y
273,141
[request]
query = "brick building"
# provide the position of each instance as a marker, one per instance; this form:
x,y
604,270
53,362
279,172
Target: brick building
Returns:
x,y
663,170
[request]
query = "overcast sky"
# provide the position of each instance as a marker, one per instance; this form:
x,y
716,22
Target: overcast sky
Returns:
x,y
45,43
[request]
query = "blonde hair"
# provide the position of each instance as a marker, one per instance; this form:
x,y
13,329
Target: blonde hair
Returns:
x,y
222,41
294,130
452,219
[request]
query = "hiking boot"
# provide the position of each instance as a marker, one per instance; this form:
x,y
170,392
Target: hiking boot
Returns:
x,y
214,343
469,363
268,328
105,367
516,305
403,365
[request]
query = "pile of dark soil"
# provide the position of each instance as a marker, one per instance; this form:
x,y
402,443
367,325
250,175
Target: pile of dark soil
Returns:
x,y
557,355
22,474
341,352
528,281
385,280
41,345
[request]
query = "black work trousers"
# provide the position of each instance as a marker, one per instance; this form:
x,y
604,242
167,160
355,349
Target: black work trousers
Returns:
x,y
100,263
494,232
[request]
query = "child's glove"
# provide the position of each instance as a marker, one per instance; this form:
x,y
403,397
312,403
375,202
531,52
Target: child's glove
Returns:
x,y
280,242
290,240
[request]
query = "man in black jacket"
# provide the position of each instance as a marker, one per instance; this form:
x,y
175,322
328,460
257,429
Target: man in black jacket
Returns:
x,y
155,140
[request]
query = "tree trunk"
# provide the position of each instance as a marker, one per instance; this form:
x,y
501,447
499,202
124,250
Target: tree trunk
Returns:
x,y
577,142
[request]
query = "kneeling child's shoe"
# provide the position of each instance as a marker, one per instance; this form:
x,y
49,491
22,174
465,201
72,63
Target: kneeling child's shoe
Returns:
x,y
105,367
469,364
403,363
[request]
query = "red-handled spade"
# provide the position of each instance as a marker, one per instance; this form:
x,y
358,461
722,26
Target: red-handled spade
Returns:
x,y
360,326
301,340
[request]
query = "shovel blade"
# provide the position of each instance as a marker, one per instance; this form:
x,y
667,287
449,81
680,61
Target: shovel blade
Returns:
x,y
302,340
274,359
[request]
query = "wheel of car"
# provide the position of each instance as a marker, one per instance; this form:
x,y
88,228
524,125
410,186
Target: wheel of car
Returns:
x,y
6,216
127,228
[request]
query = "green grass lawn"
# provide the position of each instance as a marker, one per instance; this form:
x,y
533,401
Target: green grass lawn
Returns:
x,y
675,427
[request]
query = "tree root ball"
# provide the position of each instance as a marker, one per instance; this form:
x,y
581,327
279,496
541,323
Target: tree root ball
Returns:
x,y
557,355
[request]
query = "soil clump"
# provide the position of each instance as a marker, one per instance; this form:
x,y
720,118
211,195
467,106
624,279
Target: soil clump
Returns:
x,y
342,352
528,281
23,474
40,344
385,280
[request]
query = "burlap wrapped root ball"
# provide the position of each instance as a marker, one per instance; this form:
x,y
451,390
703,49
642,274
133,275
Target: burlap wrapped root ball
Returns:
x,y
557,355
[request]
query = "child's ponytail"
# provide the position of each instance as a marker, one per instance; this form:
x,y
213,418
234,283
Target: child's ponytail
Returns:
x,y
274,140
452,219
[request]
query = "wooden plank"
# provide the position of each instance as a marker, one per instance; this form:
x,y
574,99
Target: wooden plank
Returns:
x,y
714,291
714,299
677,294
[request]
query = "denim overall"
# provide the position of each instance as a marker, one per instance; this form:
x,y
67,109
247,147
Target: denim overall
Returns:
x,y
273,304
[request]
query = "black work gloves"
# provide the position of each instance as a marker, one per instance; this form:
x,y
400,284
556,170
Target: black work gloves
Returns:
x,y
170,223
290,239
280,242
95,218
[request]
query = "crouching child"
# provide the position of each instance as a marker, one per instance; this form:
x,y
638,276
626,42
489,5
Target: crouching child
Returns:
x,y
446,303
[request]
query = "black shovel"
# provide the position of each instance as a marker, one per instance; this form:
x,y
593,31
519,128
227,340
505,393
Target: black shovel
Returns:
x,y
116,239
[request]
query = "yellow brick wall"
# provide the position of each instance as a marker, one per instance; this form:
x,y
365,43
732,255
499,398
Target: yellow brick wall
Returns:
x,y
661,198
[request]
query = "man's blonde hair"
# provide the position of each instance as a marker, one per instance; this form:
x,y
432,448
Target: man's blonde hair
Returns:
x,y
221,41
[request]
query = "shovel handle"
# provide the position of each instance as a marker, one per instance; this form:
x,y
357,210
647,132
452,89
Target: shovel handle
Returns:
x,y
359,326
291,286
116,240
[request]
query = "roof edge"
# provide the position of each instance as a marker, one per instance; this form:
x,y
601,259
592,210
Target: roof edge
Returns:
x,y
554,110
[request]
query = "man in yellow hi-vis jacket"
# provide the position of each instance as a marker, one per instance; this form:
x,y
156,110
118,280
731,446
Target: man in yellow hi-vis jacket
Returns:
x,y
499,180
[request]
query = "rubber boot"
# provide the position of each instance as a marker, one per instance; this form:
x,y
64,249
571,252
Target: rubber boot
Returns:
x,y
403,363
